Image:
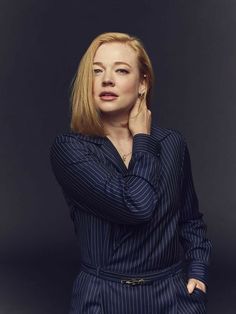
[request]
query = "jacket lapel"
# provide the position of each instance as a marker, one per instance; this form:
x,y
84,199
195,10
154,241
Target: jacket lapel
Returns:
x,y
110,150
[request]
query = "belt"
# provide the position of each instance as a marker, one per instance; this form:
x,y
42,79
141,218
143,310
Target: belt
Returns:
x,y
146,278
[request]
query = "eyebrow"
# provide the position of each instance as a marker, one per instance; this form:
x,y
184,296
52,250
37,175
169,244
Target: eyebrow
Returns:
x,y
116,63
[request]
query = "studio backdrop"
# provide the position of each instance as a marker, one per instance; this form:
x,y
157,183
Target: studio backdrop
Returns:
x,y
193,49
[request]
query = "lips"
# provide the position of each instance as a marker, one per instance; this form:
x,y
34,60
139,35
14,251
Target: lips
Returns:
x,y
107,93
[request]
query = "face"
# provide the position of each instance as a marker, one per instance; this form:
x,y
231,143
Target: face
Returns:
x,y
116,78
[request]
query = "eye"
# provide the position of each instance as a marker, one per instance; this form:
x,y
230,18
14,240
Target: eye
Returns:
x,y
123,71
96,71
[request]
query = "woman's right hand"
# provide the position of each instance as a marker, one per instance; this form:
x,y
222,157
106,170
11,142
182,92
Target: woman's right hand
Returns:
x,y
140,117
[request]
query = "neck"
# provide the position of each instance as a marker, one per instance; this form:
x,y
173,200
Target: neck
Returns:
x,y
117,129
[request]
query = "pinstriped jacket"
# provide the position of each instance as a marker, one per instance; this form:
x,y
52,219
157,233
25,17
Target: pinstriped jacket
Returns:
x,y
137,219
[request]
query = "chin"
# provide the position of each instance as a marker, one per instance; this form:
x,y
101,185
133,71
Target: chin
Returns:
x,y
114,111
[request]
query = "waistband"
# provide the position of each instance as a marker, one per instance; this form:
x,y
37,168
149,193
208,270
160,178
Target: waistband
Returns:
x,y
144,278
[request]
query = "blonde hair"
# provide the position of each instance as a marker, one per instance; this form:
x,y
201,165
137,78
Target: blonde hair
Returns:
x,y
85,117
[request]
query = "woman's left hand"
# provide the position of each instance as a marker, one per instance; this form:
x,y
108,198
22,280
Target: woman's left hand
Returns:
x,y
195,283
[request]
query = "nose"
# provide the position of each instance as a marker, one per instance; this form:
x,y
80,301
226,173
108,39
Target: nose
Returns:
x,y
107,80
108,83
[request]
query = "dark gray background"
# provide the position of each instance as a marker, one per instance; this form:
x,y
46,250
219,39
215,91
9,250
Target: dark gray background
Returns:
x,y
193,48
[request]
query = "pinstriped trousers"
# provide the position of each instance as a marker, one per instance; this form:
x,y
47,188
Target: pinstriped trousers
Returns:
x,y
93,295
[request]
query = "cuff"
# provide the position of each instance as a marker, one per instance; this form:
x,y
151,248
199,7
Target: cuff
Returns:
x,y
198,270
146,143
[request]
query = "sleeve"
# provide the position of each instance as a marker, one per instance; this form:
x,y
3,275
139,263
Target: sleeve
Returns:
x,y
127,198
197,247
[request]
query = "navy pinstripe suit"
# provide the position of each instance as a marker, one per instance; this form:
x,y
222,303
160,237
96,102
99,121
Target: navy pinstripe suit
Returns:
x,y
139,219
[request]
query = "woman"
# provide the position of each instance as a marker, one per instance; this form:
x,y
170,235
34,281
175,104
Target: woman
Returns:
x,y
129,186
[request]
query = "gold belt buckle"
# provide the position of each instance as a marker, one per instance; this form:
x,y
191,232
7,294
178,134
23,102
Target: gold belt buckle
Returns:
x,y
133,281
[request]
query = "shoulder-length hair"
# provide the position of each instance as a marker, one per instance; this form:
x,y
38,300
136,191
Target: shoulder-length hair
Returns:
x,y
85,117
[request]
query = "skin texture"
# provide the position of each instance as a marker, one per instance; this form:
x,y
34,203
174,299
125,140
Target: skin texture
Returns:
x,y
192,283
127,114
124,80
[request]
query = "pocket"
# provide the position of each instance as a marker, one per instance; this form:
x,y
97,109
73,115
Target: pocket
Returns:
x,y
199,292
191,303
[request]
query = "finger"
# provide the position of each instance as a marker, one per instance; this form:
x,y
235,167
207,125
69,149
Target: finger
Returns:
x,y
191,285
138,103
201,285
139,106
136,108
142,104
201,288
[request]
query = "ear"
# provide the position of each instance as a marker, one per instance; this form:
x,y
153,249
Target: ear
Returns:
x,y
143,86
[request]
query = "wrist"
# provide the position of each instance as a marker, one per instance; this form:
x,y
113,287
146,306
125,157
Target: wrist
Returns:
x,y
141,132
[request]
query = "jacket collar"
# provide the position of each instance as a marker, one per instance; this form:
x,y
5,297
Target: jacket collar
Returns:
x,y
156,132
